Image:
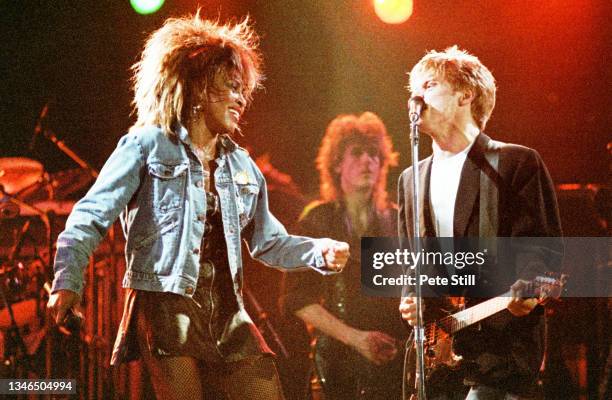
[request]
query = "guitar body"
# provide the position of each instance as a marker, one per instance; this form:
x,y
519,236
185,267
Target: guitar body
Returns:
x,y
443,372
443,369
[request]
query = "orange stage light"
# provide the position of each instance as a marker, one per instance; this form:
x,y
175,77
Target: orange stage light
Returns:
x,y
393,11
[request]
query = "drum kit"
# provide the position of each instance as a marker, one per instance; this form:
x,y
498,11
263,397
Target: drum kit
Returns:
x,y
32,204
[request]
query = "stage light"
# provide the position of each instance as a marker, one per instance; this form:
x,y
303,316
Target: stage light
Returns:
x,y
146,6
393,11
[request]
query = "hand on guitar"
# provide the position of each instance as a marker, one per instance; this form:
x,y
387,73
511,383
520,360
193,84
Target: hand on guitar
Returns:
x,y
518,305
378,347
407,308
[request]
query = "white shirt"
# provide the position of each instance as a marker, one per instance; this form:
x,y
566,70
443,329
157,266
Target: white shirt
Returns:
x,y
443,185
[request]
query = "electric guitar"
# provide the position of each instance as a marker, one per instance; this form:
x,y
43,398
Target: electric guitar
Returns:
x,y
440,362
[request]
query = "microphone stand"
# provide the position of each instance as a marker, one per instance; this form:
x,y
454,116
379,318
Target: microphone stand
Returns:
x,y
14,337
262,318
68,151
39,129
419,331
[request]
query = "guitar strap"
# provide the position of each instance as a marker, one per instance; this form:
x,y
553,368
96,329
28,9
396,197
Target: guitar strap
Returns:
x,y
489,197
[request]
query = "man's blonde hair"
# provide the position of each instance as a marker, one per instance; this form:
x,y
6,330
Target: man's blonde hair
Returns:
x,y
179,63
463,71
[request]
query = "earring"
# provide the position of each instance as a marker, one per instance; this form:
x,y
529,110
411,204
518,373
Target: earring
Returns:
x,y
196,109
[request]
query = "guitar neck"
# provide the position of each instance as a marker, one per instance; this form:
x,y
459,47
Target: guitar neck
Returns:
x,y
541,288
462,319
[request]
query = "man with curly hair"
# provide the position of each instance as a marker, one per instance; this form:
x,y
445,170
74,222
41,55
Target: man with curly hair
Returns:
x,y
188,195
357,337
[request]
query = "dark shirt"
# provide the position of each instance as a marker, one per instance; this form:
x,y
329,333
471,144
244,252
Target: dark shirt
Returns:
x,y
340,294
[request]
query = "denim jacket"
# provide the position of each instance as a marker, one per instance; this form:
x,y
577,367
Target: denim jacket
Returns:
x,y
156,182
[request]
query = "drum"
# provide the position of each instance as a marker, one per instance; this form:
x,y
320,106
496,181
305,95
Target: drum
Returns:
x,y
21,282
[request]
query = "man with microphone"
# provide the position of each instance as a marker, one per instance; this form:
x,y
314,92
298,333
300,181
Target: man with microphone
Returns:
x,y
473,186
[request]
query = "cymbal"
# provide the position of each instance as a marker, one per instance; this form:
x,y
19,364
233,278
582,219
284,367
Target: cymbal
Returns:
x,y
17,173
59,207
68,183
61,185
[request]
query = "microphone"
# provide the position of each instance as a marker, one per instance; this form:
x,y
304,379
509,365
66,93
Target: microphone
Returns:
x,y
38,127
416,105
73,321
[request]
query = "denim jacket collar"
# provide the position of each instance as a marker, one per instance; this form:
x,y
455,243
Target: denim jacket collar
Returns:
x,y
225,144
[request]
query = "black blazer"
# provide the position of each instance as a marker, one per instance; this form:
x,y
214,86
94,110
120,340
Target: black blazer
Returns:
x,y
526,206
527,201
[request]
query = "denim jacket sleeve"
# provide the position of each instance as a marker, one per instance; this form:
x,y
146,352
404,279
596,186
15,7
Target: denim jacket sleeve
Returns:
x,y
96,212
270,243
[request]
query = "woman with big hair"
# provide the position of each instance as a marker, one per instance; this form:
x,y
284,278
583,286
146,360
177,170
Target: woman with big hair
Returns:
x,y
188,195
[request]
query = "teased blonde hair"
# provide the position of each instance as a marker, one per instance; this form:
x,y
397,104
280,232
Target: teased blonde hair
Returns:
x,y
347,129
463,71
179,63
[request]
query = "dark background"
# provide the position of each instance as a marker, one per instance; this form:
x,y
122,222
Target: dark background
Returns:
x,y
322,58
